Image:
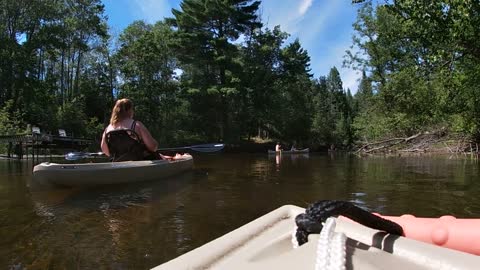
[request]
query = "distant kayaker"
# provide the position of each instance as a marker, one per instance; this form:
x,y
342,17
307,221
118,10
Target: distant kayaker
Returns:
x,y
278,147
125,138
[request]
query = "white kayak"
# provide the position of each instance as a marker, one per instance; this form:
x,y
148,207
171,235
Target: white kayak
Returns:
x,y
90,174
289,152
266,243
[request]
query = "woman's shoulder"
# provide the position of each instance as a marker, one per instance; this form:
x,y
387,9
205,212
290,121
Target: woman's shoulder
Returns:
x,y
109,128
139,124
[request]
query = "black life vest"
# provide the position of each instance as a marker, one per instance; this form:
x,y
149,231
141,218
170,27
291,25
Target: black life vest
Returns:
x,y
125,145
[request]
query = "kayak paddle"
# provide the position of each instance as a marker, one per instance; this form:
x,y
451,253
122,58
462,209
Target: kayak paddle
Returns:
x,y
80,155
203,148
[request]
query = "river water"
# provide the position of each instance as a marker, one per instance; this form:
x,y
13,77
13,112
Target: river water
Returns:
x,y
143,225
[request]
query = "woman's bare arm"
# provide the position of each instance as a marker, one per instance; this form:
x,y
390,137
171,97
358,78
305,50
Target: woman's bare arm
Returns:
x,y
147,138
104,145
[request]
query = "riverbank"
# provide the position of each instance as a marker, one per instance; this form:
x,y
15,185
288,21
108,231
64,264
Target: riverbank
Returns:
x,y
435,142
438,142
421,143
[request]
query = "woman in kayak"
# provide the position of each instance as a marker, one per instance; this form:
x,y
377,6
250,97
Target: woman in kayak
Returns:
x,y
125,138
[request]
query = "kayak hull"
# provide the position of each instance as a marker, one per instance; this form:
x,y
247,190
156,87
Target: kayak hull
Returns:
x,y
91,174
266,243
289,152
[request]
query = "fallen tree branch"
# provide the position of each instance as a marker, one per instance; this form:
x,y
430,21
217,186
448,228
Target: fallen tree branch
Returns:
x,y
422,142
413,150
449,149
386,144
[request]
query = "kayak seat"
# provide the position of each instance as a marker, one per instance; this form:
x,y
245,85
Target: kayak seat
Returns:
x,y
125,145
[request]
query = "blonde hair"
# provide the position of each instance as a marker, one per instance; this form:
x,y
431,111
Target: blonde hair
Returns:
x,y
121,110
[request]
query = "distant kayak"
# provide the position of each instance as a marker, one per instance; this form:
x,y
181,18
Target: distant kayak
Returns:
x,y
289,152
90,174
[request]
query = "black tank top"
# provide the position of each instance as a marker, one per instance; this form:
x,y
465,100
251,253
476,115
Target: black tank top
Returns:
x,y
125,144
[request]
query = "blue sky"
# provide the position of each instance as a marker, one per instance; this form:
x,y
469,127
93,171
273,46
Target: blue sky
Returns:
x,y
324,27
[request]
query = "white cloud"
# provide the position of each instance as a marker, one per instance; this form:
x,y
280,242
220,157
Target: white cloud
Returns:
x,y
152,10
304,6
313,26
281,13
350,79
325,32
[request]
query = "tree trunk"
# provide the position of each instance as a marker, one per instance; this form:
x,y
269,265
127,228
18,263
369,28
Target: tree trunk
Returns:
x,y
77,76
62,77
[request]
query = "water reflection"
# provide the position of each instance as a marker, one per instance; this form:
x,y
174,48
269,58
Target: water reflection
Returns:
x,y
293,158
100,222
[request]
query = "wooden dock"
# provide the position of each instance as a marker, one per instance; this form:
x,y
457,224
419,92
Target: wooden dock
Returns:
x,y
20,144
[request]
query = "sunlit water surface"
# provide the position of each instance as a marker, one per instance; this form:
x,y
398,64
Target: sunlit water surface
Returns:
x,y
143,225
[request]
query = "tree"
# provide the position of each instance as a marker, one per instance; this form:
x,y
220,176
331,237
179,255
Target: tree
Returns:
x,y
42,47
416,54
261,63
206,31
364,95
292,110
333,107
147,66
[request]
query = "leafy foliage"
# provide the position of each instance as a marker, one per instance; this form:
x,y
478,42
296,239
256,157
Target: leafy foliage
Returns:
x,y
423,62
11,122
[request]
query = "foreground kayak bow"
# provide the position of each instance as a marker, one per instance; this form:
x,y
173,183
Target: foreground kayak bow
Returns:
x,y
267,243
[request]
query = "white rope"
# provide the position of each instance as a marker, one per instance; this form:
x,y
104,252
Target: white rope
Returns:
x,y
294,237
331,247
323,246
337,252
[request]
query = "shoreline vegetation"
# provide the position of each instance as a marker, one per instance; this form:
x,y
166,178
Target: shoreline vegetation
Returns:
x,y
422,143
428,143
194,80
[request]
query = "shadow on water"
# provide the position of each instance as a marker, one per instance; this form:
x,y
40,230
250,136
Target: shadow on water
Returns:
x,y
70,226
110,197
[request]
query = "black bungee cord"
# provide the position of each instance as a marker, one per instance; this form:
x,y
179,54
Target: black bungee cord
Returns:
x,y
317,213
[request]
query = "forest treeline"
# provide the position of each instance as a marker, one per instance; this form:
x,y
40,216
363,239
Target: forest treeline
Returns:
x,y
214,72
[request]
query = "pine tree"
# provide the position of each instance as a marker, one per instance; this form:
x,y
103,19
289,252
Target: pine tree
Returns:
x,y
207,30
